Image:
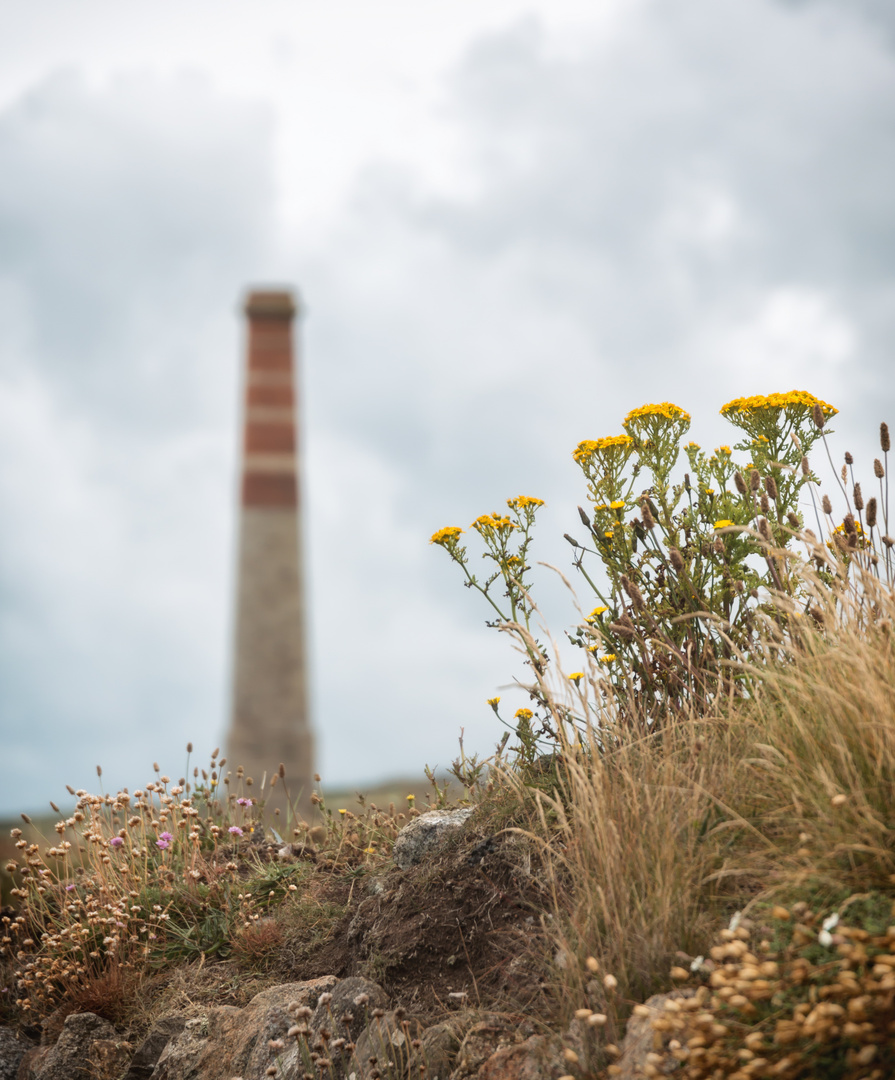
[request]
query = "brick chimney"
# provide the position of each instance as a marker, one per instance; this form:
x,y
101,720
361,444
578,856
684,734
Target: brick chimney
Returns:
x,y
270,721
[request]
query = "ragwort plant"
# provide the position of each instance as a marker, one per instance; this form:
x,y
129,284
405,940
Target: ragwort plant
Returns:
x,y
683,572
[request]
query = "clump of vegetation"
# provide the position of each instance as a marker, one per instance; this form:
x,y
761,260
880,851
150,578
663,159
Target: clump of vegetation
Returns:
x,y
731,740
725,758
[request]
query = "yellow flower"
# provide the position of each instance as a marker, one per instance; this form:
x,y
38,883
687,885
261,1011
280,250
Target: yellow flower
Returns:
x,y
692,445
342,811
664,408
486,522
794,398
608,534
576,675
370,850
608,658
597,611
590,446
710,491
411,797
493,702
523,500
618,504
524,714
593,648
446,535
724,450
722,524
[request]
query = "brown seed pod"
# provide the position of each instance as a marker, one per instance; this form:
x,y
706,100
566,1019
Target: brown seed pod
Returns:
x,y
806,468
676,559
764,529
826,505
792,519
858,497
878,471
817,415
755,480
884,440
765,504
849,522
740,482
770,486
649,522
871,514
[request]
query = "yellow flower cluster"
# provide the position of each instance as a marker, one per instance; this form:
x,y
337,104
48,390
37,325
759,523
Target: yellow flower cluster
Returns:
x,y
522,501
524,714
492,521
777,401
665,408
444,536
610,442
596,613
608,658
575,676
723,523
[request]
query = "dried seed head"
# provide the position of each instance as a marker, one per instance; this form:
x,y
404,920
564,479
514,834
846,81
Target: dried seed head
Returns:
x,y
849,522
884,440
849,460
826,505
878,471
858,497
632,591
755,480
871,514
764,529
649,522
765,504
806,468
817,415
792,519
844,474
770,486
888,541
740,482
718,545
281,772
676,559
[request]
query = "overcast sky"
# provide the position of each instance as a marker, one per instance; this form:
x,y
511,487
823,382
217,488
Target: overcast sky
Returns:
x,y
510,223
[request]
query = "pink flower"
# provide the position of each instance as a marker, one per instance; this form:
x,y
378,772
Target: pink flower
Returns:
x,y
235,830
116,841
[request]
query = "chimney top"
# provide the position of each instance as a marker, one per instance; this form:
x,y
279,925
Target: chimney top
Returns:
x,y
271,304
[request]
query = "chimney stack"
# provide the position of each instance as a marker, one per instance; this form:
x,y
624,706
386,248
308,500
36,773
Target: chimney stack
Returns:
x,y
270,722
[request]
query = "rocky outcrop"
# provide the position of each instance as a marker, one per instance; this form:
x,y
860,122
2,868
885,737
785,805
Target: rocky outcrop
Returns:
x,y
12,1050
74,1055
230,1042
425,833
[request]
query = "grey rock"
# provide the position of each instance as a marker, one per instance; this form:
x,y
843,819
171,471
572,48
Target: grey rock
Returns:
x,y
425,833
342,1014
70,1058
150,1050
229,1042
388,1039
12,1050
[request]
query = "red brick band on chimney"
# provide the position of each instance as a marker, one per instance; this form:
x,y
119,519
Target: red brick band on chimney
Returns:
x,y
269,477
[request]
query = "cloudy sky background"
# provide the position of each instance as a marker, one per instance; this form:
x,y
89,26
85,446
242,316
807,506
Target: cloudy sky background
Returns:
x,y
509,222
